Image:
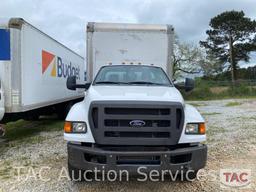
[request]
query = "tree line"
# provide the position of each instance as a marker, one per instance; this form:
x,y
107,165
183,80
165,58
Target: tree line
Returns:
x,y
231,39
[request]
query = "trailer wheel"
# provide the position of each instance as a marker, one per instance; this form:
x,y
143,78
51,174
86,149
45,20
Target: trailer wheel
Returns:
x,y
78,175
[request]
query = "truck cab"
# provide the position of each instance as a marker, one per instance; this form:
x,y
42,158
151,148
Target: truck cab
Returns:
x,y
133,115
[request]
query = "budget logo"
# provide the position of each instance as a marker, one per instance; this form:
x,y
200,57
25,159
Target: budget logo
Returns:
x,y
48,59
57,66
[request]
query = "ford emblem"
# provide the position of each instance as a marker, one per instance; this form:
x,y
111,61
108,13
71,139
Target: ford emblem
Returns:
x,y
137,123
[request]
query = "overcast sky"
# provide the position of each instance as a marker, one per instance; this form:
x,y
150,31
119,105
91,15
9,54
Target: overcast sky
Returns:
x,y
65,20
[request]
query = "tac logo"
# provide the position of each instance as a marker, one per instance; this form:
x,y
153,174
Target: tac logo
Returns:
x,y
235,178
58,68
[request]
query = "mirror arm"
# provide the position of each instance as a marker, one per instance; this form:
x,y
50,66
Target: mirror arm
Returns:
x,y
179,86
83,86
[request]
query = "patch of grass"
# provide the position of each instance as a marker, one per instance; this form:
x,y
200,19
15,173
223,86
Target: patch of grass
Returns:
x,y
213,113
31,140
5,170
234,103
205,90
4,174
245,118
23,129
252,118
197,104
213,131
199,93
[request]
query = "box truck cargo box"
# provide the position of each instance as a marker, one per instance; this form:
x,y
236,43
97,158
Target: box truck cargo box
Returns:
x,y
120,44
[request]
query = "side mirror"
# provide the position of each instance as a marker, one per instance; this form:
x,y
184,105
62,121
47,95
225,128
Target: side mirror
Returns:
x,y
71,84
188,85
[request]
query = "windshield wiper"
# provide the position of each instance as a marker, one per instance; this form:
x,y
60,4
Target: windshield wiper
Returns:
x,y
145,83
109,82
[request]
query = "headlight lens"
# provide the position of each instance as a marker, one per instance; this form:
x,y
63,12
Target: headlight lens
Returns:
x,y
195,128
75,127
79,127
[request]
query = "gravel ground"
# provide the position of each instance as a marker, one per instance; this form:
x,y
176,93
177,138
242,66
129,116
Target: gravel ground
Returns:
x,y
231,133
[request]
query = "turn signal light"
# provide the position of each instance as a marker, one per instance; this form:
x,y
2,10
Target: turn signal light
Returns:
x,y
68,127
202,128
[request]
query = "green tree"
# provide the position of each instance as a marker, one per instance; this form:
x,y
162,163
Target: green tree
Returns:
x,y
187,58
231,39
211,66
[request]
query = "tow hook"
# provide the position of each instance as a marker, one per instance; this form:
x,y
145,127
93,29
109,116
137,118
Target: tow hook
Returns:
x,y
2,130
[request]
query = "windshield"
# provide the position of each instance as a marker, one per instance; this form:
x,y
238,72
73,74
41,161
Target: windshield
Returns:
x,y
132,75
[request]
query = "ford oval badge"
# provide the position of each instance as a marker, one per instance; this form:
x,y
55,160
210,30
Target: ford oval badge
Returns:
x,y
137,123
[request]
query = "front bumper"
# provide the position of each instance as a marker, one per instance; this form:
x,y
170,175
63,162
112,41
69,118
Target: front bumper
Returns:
x,y
89,158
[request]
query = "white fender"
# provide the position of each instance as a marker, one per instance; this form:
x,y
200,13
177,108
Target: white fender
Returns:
x,y
79,112
191,116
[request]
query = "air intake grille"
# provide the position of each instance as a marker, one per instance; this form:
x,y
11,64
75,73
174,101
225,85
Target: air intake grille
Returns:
x,y
136,123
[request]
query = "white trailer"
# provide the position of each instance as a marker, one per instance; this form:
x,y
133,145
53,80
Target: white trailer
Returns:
x,y
33,72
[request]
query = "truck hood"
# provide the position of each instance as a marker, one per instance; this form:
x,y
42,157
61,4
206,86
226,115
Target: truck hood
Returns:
x,y
138,93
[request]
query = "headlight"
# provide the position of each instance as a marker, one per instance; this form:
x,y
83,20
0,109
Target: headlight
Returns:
x,y
195,128
75,127
79,127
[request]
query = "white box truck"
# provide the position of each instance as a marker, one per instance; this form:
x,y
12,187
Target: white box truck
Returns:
x,y
33,72
132,116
